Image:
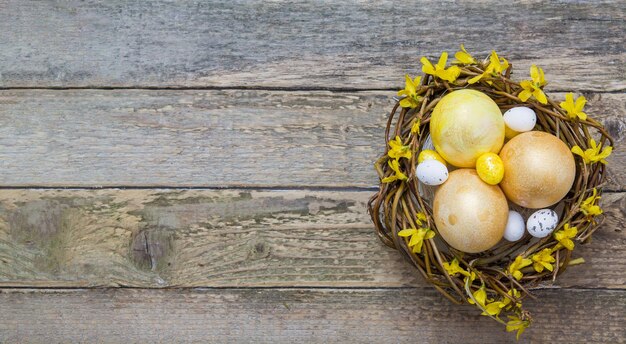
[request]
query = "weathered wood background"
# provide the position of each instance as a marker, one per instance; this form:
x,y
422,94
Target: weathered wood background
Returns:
x,y
198,171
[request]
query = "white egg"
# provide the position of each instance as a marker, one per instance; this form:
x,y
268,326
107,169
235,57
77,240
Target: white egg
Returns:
x,y
431,172
542,222
520,119
514,226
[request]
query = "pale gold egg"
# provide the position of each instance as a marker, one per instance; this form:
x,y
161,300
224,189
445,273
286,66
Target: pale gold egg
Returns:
x,y
464,125
470,214
539,169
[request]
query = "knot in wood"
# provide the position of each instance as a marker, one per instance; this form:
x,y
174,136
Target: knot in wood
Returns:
x,y
150,248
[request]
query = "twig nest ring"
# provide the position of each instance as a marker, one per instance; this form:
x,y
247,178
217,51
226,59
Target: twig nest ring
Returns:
x,y
454,239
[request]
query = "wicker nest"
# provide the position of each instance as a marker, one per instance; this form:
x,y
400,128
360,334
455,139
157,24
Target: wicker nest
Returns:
x,y
493,280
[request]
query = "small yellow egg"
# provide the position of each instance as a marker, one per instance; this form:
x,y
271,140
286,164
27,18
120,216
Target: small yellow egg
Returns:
x,y
510,133
490,168
429,154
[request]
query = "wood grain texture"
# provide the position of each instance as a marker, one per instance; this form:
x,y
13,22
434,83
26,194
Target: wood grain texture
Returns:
x,y
299,44
237,238
297,315
215,138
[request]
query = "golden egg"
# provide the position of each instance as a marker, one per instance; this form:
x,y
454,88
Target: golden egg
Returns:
x,y
464,125
470,214
539,169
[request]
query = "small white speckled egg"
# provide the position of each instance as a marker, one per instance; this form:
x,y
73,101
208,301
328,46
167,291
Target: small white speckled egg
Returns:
x,y
432,172
520,119
515,226
542,222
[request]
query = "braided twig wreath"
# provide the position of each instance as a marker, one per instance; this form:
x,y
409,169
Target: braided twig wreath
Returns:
x,y
498,279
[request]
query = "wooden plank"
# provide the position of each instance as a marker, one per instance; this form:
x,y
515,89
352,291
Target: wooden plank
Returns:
x,y
361,45
229,238
215,138
297,315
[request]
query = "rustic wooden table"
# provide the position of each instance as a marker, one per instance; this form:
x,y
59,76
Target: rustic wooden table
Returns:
x,y
192,171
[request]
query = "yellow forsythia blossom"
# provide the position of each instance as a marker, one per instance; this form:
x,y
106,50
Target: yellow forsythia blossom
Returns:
x,y
416,126
463,57
395,166
518,264
411,99
516,324
453,268
515,294
533,87
439,70
593,154
417,237
489,307
565,236
588,207
480,296
543,259
496,66
420,218
574,108
398,150
494,308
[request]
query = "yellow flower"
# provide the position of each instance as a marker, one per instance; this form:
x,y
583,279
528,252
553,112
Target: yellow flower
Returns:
x,y
411,99
518,264
593,154
395,166
480,296
439,70
463,57
489,308
588,207
471,277
533,88
496,66
453,268
515,294
565,236
397,150
515,323
574,109
417,237
543,260
421,217
416,126
494,308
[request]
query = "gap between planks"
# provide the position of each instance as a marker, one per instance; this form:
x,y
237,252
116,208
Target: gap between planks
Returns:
x,y
214,188
256,88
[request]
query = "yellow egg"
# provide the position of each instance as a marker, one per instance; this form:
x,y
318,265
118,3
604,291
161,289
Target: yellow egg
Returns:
x,y
429,154
490,168
470,214
464,125
510,133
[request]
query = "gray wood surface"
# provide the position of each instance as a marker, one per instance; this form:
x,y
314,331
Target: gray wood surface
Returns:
x,y
300,44
236,238
399,315
216,138
282,105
